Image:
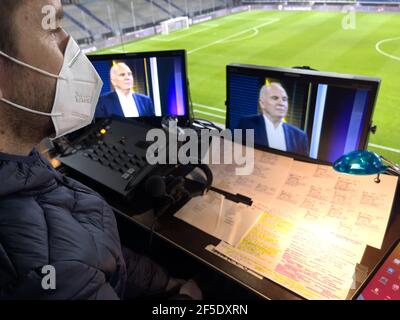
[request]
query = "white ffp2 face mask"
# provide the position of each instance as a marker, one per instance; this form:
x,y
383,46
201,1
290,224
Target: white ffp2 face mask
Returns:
x,y
77,93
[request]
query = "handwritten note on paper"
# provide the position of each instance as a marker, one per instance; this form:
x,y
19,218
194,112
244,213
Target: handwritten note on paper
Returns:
x,y
219,217
269,174
315,225
367,217
312,262
322,262
359,207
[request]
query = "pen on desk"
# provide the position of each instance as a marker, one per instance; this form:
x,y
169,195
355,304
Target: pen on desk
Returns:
x,y
239,198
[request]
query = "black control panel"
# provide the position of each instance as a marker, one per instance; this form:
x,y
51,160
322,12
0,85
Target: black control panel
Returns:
x,y
112,153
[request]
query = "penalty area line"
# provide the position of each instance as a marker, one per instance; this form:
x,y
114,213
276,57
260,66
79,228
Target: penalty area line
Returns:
x,y
378,48
232,36
383,147
209,114
209,108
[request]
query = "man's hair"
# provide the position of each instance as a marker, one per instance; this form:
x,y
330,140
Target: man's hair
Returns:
x,y
266,86
7,25
117,63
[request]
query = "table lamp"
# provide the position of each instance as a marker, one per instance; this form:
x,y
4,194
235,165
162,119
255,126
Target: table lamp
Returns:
x,y
364,162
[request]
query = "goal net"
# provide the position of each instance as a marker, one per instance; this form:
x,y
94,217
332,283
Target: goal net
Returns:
x,y
170,25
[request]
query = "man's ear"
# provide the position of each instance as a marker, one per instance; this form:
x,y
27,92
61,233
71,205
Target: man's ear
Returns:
x,y
260,105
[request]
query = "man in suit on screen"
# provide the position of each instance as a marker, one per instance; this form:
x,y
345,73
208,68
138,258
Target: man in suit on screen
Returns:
x,y
123,102
269,128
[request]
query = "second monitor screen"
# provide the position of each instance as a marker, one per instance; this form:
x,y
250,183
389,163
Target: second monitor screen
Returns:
x,y
312,116
142,86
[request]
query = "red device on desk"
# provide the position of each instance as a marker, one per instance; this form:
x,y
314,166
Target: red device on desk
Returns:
x,y
384,281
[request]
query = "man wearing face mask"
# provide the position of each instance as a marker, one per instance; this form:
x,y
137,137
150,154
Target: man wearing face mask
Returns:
x,y
47,219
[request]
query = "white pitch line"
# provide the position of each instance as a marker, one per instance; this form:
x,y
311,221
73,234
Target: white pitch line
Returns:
x,y
244,19
377,47
168,39
233,35
208,107
254,34
210,114
383,147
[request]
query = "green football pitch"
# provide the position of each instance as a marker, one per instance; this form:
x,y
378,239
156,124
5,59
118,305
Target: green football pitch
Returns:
x,y
287,39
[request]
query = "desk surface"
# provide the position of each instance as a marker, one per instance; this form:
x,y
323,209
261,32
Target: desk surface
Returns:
x,y
194,241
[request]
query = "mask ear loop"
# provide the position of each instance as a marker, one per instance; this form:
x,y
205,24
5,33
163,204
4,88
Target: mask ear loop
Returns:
x,y
29,66
39,71
30,110
74,58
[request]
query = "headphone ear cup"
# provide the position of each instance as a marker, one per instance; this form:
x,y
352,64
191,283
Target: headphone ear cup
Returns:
x,y
155,186
209,175
205,185
168,179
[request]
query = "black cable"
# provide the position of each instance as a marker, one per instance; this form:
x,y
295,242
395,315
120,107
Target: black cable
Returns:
x,y
190,102
173,196
206,124
158,214
153,225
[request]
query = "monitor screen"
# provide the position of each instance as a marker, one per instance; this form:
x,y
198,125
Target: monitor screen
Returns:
x,y
140,85
302,112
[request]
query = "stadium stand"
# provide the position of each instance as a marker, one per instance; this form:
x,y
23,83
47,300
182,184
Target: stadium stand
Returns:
x,y
90,21
328,1
74,22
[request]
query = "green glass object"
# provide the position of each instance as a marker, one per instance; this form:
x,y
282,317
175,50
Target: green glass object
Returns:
x,y
360,162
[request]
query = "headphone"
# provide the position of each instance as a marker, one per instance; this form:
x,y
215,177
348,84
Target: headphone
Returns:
x,y
172,188
166,191
166,125
206,185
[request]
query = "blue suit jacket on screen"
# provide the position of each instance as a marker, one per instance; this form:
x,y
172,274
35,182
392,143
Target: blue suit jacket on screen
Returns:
x,y
109,105
296,140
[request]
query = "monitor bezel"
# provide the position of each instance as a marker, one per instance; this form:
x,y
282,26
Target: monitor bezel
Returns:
x,y
182,120
310,75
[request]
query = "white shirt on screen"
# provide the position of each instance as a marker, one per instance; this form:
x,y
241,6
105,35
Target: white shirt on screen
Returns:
x,y
128,105
276,136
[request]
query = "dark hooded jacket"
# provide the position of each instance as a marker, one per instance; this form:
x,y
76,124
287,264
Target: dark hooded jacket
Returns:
x,y
48,219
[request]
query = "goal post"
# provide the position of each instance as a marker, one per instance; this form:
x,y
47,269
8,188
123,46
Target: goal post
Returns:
x,y
171,25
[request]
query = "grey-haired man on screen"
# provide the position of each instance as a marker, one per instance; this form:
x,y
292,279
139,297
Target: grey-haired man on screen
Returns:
x,y
122,101
269,128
